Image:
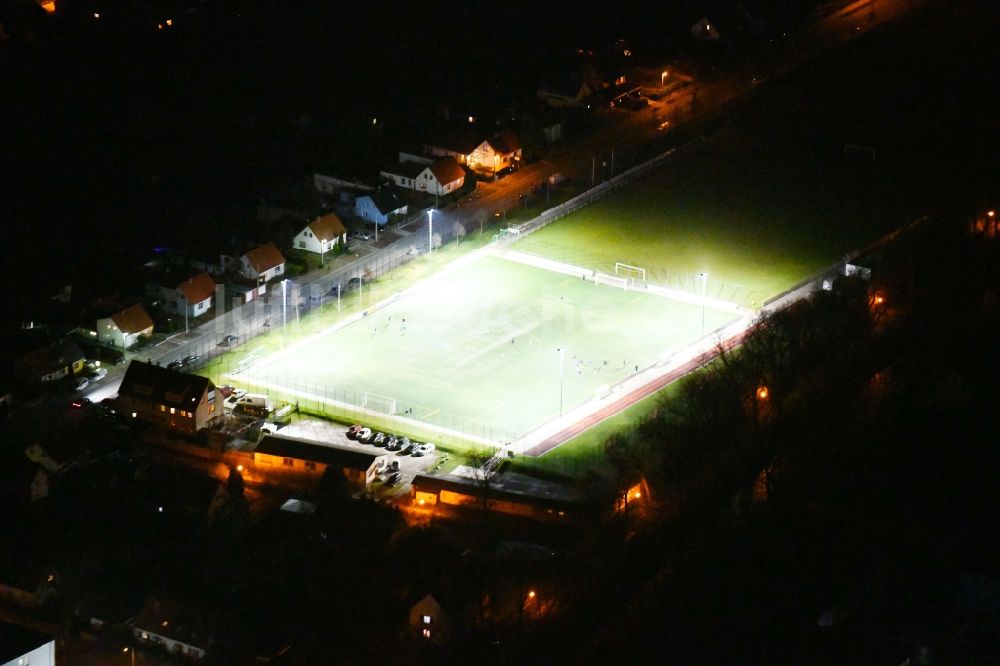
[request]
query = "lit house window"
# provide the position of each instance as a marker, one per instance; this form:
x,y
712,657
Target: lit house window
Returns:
x,y
163,408
426,633
310,464
287,461
427,619
173,410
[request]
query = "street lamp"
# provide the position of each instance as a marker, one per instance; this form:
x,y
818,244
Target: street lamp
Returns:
x,y
284,302
561,351
663,77
704,288
130,652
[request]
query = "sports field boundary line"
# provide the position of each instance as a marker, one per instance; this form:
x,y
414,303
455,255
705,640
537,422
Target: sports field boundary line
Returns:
x,y
648,287
413,424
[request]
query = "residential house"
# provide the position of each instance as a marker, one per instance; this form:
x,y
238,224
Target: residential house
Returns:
x,y
428,621
378,207
564,93
125,329
172,627
457,144
191,296
276,454
169,399
498,152
325,184
263,264
50,363
321,235
440,178
20,647
404,174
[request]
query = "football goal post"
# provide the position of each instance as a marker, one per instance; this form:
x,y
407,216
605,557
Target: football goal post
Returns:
x,y
611,280
630,271
378,403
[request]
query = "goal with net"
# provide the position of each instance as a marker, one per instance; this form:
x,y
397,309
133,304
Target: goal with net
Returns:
x,y
628,270
378,403
611,280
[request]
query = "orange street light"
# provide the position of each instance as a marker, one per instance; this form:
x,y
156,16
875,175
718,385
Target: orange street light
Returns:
x,y
663,77
879,299
991,213
531,594
762,393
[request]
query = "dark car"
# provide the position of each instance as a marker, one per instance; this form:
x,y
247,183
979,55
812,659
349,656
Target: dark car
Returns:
x,y
392,480
392,443
229,340
506,171
352,432
404,446
379,439
191,360
175,365
632,102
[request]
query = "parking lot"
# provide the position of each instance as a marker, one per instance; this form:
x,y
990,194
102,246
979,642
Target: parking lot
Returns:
x,y
334,433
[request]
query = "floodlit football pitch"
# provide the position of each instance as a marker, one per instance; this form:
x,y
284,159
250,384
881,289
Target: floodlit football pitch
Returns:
x,y
485,352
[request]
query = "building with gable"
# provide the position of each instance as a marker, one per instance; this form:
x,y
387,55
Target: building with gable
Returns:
x,y
169,399
124,329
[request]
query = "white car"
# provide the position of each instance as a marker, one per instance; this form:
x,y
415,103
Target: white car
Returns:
x,y
97,374
80,383
233,398
421,449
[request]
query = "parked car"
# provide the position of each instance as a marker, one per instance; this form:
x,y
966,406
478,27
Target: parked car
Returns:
x,y
352,432
191,360
225,390
506,171
229,340
379,439
363,235
391,443
80,403
405,446
391,467
80,383
175,365
392,480
97,374
422,449
364,435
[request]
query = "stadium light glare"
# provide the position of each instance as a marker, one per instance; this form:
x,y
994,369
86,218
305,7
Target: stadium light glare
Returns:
x,y
704,289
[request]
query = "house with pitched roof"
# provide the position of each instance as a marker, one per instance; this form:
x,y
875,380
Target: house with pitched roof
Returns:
x,y
124,329
404,174
172,627
321,235
455,143
169,399
194,294
565,92
51,362
263,263
378,207
497,152
440,178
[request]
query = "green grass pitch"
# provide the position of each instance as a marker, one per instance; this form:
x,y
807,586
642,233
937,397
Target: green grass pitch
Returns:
x,y
475,351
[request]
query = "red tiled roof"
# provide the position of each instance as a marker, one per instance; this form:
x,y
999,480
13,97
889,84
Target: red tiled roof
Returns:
x,y
447,170
132,319
265,257
198,288
327,228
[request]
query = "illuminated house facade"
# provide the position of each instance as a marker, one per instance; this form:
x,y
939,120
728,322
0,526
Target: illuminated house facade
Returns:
x,y
378,207
321,235
125,329
275,454
498,152
263,264
193,294
169,399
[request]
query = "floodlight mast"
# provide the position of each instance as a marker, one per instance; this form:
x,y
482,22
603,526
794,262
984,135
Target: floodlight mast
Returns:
x,y
561,351
430,230
704,289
